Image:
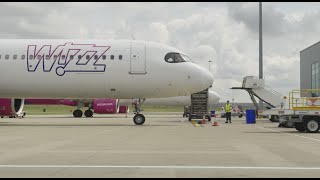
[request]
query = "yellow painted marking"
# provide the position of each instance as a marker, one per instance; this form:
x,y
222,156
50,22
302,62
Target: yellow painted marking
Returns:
x,y
306,108
197,125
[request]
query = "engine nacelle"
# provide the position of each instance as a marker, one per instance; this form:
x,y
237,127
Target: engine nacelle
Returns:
x,y
106,106
123,109
11,107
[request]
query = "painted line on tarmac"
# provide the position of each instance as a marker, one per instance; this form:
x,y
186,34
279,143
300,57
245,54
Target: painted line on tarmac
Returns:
x,y
162,167
288,133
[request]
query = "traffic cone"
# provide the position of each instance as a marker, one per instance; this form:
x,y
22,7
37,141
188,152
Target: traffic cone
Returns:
x,y
203,120
215,123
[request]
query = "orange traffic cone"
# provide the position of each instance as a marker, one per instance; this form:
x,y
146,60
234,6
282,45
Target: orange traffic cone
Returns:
x,y
215,123
203,120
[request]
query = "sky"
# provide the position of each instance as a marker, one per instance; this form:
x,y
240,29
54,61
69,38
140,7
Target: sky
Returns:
x,y
225,33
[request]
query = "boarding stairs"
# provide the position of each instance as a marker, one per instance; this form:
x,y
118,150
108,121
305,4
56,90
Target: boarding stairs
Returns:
x,y
257,88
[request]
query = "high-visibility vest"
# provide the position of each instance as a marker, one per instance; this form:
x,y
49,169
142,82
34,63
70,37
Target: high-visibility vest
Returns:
x,y
228,108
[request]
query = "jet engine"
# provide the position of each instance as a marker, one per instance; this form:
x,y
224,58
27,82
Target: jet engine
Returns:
x,y
105,106
11,107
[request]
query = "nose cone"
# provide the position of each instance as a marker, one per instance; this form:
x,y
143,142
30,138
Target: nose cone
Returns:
x,y
198,79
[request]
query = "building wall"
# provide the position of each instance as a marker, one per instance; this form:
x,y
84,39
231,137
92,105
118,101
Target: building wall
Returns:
x,y
309,56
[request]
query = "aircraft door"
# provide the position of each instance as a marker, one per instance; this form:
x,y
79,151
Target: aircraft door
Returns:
x,y
138,58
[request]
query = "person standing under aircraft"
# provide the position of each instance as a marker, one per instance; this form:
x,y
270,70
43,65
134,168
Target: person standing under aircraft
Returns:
x,y
228,108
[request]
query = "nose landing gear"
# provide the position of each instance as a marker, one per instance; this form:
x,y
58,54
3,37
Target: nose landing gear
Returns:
x,y
138,119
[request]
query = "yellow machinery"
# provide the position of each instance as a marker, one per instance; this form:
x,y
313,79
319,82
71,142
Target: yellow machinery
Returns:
x,y
302,100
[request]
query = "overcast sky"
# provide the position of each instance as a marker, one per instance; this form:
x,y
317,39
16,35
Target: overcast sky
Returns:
x,y
225,33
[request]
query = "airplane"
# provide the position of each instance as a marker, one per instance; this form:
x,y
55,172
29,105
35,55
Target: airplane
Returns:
x,y
113,106
83,70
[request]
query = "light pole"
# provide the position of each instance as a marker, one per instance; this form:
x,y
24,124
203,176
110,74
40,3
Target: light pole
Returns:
x,y
209,65
260,50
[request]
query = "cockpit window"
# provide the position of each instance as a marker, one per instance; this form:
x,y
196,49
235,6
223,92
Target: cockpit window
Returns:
x,y
169,58
176,58
186,58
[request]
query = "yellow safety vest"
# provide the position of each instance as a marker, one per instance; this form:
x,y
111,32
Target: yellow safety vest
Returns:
x,y
228,108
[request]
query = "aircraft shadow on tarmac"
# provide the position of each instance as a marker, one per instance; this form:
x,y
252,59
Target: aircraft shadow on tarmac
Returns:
x,y
76,125
269,132
104,117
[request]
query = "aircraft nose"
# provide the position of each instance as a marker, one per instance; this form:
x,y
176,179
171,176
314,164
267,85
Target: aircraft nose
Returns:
x,y
206,78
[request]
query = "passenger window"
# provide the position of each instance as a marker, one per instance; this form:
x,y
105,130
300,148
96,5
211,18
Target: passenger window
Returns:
x,y
31,57
88,57
112,57
0,56
63,57
79,57
15,57
47,57
104,57
55,57
23,57
120,57
96,57
39,57
71,57
7,57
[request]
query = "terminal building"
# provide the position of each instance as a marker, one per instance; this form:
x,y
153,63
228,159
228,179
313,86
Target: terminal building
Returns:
x,y
310,68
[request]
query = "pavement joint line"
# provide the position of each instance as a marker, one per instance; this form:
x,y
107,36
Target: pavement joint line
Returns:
x,y
288,133
163,167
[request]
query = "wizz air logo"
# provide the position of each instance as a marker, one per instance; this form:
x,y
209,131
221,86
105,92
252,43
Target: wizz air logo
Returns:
x,y
66,58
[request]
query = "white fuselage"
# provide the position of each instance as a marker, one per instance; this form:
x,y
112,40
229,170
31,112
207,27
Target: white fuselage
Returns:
x,y
77,69
213,98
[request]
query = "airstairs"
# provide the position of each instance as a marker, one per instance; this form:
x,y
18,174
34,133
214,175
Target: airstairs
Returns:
x,y
256,88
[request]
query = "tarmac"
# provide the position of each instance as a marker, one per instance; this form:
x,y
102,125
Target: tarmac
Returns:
x,y
167,145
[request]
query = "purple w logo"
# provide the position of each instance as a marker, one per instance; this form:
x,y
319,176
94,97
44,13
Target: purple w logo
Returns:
x,y
67,58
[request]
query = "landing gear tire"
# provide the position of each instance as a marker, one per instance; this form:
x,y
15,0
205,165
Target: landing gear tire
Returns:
x,y
274,118
88,113
311,125
209,119
77,113
139,119
189,118
240,116
1,116
299,127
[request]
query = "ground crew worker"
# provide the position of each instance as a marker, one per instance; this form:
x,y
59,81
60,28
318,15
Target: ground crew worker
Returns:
x,y
228,109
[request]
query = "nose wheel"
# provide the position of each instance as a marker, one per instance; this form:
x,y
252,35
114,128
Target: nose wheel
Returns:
x,y
139,119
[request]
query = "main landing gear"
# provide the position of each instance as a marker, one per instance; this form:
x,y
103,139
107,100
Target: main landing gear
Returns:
x,y
88,113
78,113
138,119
